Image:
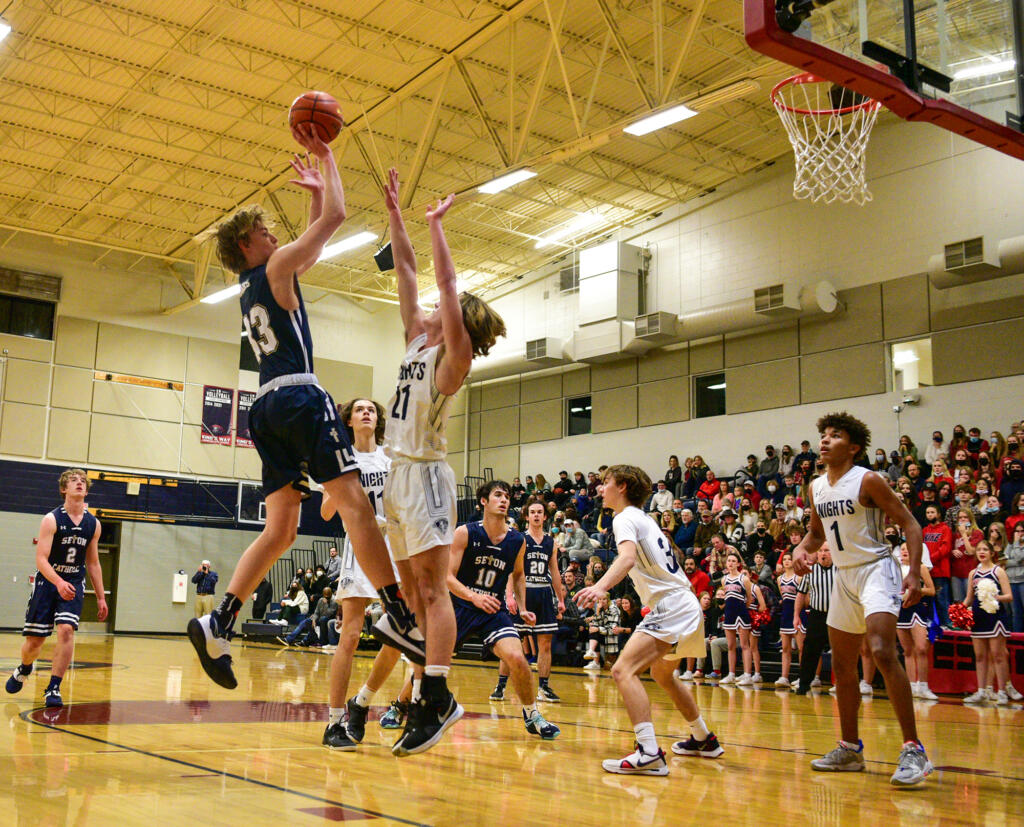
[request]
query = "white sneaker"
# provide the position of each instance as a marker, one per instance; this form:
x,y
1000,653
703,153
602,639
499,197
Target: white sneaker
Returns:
x,y
979,697
925,693
782,682
816,682
866,688
745,680
1001,699
593,666
727,680
832,690
687,675
590,655
1012,693
756,678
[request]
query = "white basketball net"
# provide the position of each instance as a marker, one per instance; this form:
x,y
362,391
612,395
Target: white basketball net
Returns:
x,y
830,144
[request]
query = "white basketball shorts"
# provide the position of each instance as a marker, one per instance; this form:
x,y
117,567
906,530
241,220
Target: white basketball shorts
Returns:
x,y
419,504
678,620
865,590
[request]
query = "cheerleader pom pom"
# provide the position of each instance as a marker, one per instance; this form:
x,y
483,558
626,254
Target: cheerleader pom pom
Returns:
x,y
961,616
987,592
760,619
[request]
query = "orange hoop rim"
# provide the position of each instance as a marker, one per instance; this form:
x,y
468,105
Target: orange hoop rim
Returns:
x,y
807,77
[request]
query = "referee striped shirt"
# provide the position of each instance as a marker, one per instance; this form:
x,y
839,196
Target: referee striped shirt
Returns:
x,y
817,585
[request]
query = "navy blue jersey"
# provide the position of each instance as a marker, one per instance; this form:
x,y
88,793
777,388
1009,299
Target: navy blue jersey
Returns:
x,y
280,338
67,552
486,567
537,560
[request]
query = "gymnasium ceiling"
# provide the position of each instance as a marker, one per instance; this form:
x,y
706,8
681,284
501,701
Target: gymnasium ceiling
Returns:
x,y
130,127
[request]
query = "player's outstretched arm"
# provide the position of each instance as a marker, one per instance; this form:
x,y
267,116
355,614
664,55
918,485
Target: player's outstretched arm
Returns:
x,y
556,580
92,565
588,596
805,555
405,261
877,492
287,261
458,355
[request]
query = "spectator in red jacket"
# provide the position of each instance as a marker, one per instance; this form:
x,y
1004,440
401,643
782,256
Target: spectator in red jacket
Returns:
x,y
1016,514
698,579
709,487
965,541
938,536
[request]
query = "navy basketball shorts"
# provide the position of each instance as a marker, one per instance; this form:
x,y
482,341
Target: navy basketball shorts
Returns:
x,y
469,620
541,601
297,433
46,608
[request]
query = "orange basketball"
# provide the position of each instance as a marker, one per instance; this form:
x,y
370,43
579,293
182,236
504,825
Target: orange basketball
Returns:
x,y
319,109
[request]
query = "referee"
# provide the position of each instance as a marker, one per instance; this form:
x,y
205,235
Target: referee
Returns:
x,y
816,592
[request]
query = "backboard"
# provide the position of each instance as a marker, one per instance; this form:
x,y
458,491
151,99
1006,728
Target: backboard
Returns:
x,y
955,63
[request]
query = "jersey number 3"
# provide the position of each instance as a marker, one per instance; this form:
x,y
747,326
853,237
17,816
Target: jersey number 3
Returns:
x,y
261,334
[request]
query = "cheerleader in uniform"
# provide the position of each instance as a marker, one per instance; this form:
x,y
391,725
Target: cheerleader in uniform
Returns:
x,y
912,630
736,622
789,628
756,604
988,593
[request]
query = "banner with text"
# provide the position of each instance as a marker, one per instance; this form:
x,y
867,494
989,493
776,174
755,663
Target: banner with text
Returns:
x,y
217,405
242,436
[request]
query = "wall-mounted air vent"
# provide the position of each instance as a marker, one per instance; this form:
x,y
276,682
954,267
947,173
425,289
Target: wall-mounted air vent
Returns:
x,y
776,300
30,285
967,258
547,351
569,279
656,327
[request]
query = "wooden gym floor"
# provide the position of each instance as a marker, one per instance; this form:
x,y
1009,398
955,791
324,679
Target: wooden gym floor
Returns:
x,y
145,738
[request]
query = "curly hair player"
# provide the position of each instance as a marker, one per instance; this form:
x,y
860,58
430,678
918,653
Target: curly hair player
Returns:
x,y
673,629
849,504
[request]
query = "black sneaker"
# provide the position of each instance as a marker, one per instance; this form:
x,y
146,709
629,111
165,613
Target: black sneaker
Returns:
x,y
409,642
52,697
498,694
336,737
414,709
546,693
708,748
427,725
213,650
395,716
17,680
356,724
536,725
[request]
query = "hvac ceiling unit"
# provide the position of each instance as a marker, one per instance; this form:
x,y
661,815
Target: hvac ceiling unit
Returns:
x,y
967,258
610,278
598,342
546,351
656,328
777,300
569,279
30,285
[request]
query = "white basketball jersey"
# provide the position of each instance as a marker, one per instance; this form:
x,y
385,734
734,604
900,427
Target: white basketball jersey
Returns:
x,y
656,573
855,534
418,412
373,473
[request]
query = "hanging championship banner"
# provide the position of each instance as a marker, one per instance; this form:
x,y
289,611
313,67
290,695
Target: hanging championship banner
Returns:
x,y
245,400
217,405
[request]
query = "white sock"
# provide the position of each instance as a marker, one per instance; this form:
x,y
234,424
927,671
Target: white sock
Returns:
x,y
365,696
645,737
436,671
416,690
529,711
699,728
334,714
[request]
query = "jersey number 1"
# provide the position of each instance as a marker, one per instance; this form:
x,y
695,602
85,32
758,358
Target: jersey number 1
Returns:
x,y
401,406
835,530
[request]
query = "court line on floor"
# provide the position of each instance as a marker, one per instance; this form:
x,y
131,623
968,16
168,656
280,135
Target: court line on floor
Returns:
x,y
224,773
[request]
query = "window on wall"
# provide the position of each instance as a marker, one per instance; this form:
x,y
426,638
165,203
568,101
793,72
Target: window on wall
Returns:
x,y
577,416
911,365
26,317
709,395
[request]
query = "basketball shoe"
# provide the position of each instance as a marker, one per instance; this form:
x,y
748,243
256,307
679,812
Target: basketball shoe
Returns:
x,y
708,748
427,723
52,697
213,649
547,694
406,639
395,716
498,694
336,737
913,767
17,679
841,759
638,763
356,720
536,725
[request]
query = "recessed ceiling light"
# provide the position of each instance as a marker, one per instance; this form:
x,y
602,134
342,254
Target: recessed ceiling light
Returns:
x,y
506,181
349,243
984,69
660,120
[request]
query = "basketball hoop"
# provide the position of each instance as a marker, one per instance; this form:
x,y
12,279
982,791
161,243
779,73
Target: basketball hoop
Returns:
x,y
829,127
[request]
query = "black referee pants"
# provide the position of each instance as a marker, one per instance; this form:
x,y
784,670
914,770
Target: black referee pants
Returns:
x,y
814,644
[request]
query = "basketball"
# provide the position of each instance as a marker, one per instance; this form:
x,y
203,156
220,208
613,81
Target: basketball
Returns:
x,y
319,109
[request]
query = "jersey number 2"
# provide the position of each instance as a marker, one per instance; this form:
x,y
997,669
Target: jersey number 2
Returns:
x,y
401,406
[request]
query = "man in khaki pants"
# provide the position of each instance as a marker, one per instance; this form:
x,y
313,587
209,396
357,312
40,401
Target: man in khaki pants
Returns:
x,y
206,582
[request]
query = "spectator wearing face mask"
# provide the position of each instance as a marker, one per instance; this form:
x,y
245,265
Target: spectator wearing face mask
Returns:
x,y
1013,452
768,469
760,540
966,536
881,464
1015,571
988,515
1015,514
773,491
958,441
662,499
936,448
576,543
975,443
928,498
895,469
748,472
787,460
1013,483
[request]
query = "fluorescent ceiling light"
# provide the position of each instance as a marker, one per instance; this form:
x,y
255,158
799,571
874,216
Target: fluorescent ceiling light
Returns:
x,y
720,387
581,222
5,29
506,181
984,69
660,120
221,295
350,243
431,296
